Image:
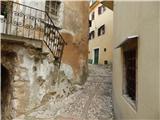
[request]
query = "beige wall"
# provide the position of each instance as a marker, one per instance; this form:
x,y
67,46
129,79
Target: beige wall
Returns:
x,y
138,18
105,40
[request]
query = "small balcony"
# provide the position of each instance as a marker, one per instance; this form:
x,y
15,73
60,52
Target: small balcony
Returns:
x,y
23,21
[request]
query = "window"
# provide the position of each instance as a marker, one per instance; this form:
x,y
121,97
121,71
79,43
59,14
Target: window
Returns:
x,y
101,30
90,23
92,16
47,6
91,35
101,9
4,8
52,7
130,69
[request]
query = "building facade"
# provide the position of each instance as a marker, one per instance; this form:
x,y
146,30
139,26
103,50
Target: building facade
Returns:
x,y
136,61
101,33
75,34
41,53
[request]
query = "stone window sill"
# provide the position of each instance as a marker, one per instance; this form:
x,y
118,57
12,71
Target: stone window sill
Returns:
x,y
131,102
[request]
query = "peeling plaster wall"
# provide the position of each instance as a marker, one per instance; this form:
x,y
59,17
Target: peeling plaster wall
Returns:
x,y
73,19
35,80
75,33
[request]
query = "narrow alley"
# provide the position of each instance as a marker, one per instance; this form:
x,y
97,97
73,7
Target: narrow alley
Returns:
x,y
92,101
80,60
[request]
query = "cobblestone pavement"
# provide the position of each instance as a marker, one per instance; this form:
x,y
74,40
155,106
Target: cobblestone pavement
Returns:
x,y
91,102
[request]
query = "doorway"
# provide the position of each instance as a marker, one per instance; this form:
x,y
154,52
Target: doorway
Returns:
x,y
96,56
5,94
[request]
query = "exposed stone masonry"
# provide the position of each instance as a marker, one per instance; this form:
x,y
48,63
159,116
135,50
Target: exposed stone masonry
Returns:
x,y
92,101
34,79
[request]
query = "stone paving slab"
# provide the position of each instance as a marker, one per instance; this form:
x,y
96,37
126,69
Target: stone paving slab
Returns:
x,y
98,103
92,102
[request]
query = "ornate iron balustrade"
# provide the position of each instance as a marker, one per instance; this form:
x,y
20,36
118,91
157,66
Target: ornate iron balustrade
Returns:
x,y
26,21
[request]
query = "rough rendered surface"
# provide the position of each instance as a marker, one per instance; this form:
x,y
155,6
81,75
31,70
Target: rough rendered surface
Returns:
x,y
92,101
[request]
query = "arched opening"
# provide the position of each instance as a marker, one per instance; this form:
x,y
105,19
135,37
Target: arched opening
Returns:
x,y
5,93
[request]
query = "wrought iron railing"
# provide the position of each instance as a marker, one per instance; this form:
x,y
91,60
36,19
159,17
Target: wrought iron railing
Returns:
x,y
26,21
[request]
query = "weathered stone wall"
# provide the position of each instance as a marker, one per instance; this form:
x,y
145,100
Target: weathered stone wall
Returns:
x,y
73,19
75,33
34,78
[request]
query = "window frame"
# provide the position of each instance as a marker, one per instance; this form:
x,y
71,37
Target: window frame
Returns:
x,y
126,47
93,16
4,11
90,23
53,7
100,32
101,9
92,35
